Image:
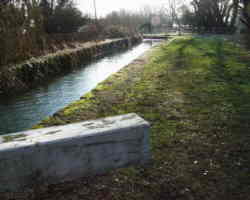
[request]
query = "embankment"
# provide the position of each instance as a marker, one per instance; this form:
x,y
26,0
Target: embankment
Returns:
x,y
195,93
36,71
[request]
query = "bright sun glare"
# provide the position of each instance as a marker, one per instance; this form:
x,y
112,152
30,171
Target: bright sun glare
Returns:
x,y
105,7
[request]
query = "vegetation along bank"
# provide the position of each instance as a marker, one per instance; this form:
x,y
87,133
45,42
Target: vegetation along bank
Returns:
x,y
22,77
195,93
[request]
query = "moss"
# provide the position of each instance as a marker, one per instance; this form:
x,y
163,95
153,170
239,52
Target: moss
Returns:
x,y
11,138
99,87
38,126
88,96
76,106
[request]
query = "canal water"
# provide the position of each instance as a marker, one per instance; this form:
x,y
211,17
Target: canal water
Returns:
x,y
24,111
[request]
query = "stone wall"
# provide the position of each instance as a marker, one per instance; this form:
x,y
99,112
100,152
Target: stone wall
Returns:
x,y
63,153
36,71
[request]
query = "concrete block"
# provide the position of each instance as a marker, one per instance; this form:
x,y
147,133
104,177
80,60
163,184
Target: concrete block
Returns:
x,y
57,154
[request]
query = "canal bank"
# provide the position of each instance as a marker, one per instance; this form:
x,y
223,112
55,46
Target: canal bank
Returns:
x,y
18,113
36,71
195,94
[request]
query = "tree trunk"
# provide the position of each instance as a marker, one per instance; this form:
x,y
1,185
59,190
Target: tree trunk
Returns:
x,y
235,13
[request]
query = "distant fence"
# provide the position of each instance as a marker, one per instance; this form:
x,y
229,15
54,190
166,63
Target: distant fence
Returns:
x,y
212,30
202,30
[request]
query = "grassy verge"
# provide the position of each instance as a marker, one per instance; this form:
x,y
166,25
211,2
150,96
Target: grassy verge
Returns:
x,y
196,94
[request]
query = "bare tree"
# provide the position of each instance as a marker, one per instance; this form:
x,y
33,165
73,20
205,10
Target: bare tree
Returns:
x,y
245,13
174,10
215,13
235,12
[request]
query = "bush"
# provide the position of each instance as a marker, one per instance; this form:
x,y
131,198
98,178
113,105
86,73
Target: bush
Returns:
x,y
66,19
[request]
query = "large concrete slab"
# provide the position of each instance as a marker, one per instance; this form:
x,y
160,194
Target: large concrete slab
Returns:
x,y
57,154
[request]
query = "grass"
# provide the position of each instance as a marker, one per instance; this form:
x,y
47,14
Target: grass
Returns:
x,y
195,92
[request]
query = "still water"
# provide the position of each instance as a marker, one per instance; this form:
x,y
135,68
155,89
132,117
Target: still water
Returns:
x,y
24,111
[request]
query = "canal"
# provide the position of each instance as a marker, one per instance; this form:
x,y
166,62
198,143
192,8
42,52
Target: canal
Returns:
x,y
24,111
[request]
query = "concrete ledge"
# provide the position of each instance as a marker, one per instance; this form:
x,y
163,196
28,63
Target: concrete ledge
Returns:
x,y
57,154
25,76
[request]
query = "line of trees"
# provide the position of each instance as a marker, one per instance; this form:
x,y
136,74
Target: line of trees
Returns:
x,y
61,16
140,21
199,15
246,12
26,26
55,16
214,14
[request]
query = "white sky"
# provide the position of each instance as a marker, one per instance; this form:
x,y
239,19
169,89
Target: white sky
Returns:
x,y
106,6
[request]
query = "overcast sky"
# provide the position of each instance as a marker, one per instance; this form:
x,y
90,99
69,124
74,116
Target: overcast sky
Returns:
x,y
106,6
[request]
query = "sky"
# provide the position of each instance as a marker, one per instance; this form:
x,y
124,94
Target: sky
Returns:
x,y
106,6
